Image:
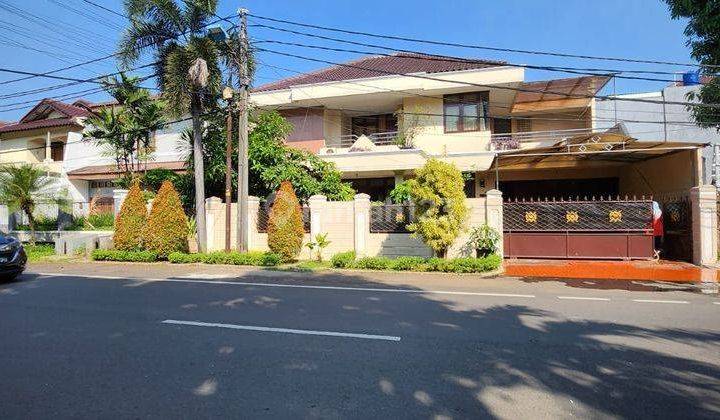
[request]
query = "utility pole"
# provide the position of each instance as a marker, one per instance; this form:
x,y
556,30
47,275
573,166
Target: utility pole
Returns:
x,y
228,96
242,219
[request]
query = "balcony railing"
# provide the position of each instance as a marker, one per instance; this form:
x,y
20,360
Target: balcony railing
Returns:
x,y
512,141
378,139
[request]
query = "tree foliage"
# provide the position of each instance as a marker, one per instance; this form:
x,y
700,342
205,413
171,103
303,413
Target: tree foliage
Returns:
x,y
167,225
22,187
125,130
131,221
285,224
272,162
703,37
439,198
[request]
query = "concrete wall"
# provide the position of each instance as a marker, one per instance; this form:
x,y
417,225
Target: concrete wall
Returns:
x,y
347,225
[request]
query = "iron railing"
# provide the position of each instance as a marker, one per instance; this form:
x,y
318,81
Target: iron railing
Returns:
x,y
378,139
391,218
578,216
512,141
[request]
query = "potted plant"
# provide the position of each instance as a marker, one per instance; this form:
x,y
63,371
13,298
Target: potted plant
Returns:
x,y
484,240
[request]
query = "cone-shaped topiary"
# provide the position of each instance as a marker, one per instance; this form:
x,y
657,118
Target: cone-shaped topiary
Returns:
x,y
167,230
131,220
285,224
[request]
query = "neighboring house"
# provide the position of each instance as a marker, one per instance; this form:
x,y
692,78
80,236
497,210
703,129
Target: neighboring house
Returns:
x,y
525,138
50,136
669,122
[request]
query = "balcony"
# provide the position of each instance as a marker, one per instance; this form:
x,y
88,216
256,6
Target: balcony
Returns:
x,y
387,138
513,141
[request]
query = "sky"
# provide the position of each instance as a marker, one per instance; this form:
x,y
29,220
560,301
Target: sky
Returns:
x,y
43,35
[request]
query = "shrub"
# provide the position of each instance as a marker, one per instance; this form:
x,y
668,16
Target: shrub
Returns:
x,y
473,265
121,255
266,259
285,224
408,264
131,221
167,225
439,198
373,263
436,264
100,221
343,259
483,240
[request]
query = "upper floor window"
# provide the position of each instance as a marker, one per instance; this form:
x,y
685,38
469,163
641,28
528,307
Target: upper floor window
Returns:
x,y
465,112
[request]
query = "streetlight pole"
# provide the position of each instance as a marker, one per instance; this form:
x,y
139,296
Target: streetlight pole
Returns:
x,y
242,222
228,96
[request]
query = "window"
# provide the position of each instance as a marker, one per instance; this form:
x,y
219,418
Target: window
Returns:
x,y
465,112
524,125
57,151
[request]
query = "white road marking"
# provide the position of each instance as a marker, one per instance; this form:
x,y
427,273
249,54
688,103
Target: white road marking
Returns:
x,y
716,303
282,330
302,286
583,298
659,301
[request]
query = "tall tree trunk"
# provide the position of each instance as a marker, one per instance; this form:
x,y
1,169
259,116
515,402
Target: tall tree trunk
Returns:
x,y
31,221
199,175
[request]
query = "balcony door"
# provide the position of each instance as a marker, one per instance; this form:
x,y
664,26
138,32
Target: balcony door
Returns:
x,y
372,124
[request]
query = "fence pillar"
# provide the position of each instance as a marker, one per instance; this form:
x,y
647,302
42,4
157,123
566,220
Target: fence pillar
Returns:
x,y
252,232
4,218
317,206
703,201
361,207
215,224
494,214
118,199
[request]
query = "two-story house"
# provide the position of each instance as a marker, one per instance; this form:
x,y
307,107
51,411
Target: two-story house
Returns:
x,y
380,117
50,135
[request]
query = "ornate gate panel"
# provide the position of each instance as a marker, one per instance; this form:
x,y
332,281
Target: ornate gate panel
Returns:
x,y
610,229
677,223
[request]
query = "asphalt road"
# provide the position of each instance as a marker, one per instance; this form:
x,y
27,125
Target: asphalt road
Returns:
x,y
246,348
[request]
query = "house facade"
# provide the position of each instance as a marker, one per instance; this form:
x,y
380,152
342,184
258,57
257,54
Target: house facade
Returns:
x,y
381,117
50,136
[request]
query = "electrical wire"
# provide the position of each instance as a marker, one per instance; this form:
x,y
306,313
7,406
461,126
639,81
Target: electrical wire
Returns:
x,y
481,47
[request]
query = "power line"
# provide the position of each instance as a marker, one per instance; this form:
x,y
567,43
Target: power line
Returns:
x,y
485,86
433,57
107,9
575,70
95,60
480,47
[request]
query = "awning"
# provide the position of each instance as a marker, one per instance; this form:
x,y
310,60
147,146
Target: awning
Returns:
x,y
112,171
613,146
405,159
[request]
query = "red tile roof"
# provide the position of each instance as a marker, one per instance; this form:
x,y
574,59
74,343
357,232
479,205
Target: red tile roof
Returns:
x,y
112,171
37,117
374,66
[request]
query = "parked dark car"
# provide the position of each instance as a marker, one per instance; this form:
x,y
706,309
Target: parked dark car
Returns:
x,y
12,258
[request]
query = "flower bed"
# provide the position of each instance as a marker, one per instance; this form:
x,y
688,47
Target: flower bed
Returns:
x,y
455,265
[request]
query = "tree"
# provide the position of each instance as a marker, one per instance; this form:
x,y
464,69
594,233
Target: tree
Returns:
x,y
126,129
703,36
167,225
131,221
23,187
439,197
285,224
187,65
272,162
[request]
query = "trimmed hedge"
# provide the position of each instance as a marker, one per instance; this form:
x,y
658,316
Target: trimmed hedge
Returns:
x,y
166,231
456,265
285,224
131,221
125,256
266,259
343,259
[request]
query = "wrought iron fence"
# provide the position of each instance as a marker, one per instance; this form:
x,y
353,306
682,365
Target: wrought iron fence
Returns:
x,y
264,213
608,215
391,218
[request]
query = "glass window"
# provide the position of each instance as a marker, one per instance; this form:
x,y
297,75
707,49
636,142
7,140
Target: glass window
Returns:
x,y
465,112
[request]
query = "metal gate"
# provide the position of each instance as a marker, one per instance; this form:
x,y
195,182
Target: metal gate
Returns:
x,y
600,229
677,224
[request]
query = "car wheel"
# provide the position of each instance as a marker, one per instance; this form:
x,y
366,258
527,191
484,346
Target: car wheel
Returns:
x,y
8,277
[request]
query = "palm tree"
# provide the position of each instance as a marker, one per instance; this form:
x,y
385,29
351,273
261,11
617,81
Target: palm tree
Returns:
x,y
23,186
186,63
